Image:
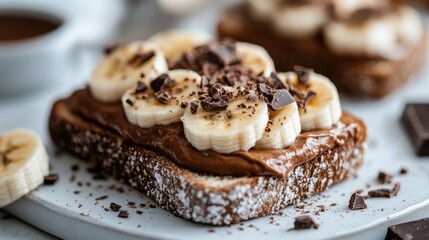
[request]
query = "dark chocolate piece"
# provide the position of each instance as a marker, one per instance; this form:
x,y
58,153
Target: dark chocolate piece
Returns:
x,y
123,214
141,87
75,167
357,202
224,54
194,108
304,222
384,178
183,105
129,102
214,106
163,97
303,74
51,179
101,198
162,81
383,192
139,212
115,207
416,121
280,99
403,171
415,230
276,82
140,58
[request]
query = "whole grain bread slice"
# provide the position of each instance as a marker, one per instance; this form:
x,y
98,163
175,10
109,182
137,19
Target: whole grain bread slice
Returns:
x,y
216,200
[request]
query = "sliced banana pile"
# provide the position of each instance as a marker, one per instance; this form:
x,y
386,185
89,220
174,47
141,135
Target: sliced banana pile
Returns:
x,y
23,164
226,94
350,27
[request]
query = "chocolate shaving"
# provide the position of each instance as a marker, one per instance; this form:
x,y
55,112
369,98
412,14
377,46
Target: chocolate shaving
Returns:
x,y
303,74
403,171
276,83
141,87
51,179
163,97
183,105
115,207
304,222
161,82
387,193
357,202
123,214
102,198
194,108
214,106
140,58
384,178
130,102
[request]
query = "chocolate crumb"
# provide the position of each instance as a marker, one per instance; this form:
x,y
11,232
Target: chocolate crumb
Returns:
x,y
111,48
123,214
304,222
141,87
387,193
101,198
142,205
303,74
76,192
132,204
211,230
403,171
163,97
140,58
152,205
183,105
50,179
384,178
194,108
130,102
75,167
99,176
115,207
357,202
139,212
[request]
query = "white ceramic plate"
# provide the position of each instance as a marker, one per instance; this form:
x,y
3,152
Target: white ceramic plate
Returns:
x,y
58,210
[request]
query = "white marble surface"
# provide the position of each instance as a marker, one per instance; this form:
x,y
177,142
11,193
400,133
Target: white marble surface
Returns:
x,y
389,149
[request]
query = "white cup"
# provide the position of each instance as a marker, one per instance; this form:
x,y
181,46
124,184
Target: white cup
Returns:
x,y
38,62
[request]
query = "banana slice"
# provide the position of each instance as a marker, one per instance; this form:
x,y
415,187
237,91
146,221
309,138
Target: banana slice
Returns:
x,y
410,25
121,69
235,128
262,9
143,107
23,164
300,20
345,8
283,128
255,57
175,42
324,109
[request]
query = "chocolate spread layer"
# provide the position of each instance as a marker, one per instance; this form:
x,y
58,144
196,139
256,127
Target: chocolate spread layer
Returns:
x,y
170,141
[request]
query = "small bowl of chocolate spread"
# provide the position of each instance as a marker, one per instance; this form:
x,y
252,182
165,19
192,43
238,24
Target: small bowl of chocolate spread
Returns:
x,y
41,42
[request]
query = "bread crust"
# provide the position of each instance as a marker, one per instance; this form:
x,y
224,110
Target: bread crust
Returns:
x,y
215,200
360,76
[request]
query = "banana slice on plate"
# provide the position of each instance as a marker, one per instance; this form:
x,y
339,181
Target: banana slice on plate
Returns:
x,y
163,101
255,57
122,68
23,164
173,43
300,20
226,128
324,109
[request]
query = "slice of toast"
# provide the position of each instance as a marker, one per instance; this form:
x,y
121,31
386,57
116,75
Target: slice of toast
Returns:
x,y
360,76
216,200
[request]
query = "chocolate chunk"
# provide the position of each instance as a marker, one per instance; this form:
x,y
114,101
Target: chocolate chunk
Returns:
x,y
101,198
51,179
303,74
194,108
123,214
280,99
415,119
183,105
75,167
418,229
141,87
384,178
163,97
304,222
115,207
140,58
129,102
276,82
161,82
214,106
223,54
386,193
357,202
310,94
